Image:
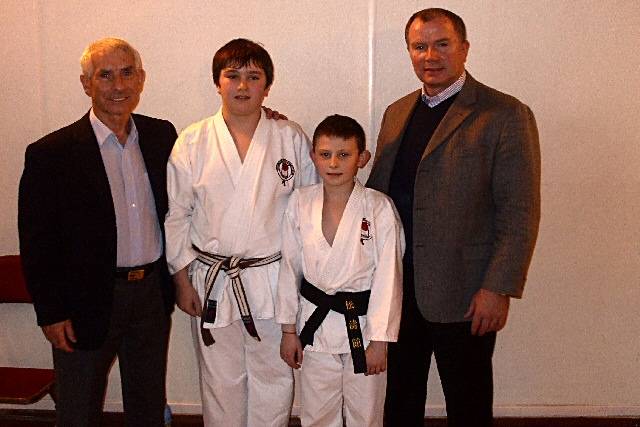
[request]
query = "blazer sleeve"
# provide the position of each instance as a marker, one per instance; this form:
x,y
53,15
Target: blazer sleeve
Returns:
x,y
40,236
516,194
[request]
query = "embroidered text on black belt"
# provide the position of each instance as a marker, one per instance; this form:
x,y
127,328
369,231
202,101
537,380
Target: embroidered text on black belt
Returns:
x,y
351,304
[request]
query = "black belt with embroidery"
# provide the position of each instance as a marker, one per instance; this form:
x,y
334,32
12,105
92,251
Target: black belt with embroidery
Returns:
x,y
232,266
351,305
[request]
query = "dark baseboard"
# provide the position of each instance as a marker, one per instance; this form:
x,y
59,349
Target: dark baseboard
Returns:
x,y
42,418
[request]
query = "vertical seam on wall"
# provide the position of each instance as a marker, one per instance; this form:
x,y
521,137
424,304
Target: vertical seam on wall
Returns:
x,y
37,6
371,49
371,80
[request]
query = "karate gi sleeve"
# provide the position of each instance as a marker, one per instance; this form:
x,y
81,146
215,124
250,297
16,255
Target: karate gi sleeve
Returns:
x,y
385,302
177,223
287,293
308,174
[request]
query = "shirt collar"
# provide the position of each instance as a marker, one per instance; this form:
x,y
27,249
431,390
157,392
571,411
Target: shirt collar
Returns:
x,y
103,133
432,101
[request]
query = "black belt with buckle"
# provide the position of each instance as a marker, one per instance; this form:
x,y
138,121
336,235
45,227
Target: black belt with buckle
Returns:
x,y
132,274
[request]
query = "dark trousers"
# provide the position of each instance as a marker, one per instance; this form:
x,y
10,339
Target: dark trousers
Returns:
x,y
138,335
464,365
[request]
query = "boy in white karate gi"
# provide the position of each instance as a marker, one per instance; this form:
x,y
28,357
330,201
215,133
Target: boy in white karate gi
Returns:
x,y
341,282
229,178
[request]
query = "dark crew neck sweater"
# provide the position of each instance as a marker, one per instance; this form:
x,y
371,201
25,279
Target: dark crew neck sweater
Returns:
x,y
422,124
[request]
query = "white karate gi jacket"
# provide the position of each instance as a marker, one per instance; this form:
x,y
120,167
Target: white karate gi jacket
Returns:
x,y
229,207
361,258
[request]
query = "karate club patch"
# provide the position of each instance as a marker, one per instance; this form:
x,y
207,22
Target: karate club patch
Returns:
x,y
364,230
285,170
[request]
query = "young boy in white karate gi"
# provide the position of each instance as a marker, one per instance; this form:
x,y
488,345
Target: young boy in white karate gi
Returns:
x,y
341,282
229,178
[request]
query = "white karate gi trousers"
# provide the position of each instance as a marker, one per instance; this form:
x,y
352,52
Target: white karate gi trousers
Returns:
x,y
328,386
243,382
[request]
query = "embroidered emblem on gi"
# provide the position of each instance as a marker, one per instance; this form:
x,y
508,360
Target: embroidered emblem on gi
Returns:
x,y
364,230
285,170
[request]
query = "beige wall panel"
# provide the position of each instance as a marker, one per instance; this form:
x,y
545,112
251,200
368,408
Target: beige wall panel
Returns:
x,y
571,346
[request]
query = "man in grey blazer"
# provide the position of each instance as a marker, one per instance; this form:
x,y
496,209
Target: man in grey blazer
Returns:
x,y
462,163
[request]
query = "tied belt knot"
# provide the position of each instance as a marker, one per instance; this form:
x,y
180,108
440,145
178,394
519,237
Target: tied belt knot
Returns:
x,y
232,266
351,305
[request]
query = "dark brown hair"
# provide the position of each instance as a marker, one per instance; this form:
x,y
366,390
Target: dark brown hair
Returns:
x,y
240,53
341,127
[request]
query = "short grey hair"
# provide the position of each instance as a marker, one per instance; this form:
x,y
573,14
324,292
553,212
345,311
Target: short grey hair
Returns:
x,y
86,62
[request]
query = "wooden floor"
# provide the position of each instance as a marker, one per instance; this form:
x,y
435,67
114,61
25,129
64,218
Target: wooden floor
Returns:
x,y
30,418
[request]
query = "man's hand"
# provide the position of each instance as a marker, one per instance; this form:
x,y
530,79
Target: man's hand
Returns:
x,y
187,298
61,335
291,347
376,354
488,312
273,114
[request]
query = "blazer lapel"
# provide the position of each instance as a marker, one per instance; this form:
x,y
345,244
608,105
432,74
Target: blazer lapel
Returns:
x,y
389,140
461,108
86,154
400,121
150,155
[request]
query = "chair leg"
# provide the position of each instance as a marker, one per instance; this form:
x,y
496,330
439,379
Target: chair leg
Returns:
x,y
53,393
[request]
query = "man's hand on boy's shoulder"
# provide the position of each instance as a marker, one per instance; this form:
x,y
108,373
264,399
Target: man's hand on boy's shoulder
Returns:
x,y
291,349
273,114
376,354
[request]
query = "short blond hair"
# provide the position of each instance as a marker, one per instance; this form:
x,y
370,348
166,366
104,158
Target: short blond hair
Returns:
x,y
86,62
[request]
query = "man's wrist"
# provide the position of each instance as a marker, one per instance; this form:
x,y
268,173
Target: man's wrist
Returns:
x,y
288,328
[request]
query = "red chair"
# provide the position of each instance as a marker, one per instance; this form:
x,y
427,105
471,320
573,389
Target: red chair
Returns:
x,y
20,385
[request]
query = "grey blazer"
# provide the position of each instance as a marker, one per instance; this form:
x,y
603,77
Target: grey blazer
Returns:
x,y
476,203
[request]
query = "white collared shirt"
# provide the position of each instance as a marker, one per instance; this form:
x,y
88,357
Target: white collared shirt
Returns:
x,y
138,229
456,87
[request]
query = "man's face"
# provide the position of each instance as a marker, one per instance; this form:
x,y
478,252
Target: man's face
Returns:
x,y
437,53
115,85
242,90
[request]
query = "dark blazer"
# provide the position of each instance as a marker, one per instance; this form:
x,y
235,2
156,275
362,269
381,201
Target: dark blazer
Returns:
x,y
476,203
67,224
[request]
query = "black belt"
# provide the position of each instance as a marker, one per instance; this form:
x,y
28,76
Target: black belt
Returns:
x,y
132,274
232,266
351,305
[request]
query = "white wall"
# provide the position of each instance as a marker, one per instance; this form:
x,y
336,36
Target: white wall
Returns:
x,y
571,346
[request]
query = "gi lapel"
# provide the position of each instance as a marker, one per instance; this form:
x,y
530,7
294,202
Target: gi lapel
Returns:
x,y
228,150
238,219
461,108
347,236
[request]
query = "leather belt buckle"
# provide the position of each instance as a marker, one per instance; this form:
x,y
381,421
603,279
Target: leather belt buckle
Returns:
x,y
135,275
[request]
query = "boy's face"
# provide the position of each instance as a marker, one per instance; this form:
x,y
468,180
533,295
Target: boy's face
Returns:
x,y
337,160
242,89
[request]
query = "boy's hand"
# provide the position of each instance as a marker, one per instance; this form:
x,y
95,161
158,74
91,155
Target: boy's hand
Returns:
x,y
187,298
273,114
291,350
376,354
